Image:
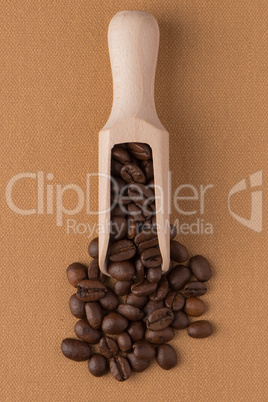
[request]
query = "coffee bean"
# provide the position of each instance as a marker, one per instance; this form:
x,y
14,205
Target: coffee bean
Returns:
x,y
178,277
148,169
160,319
90,290
136,213
118,228
77,307
194,289
114,323
143,288
153,275
139,271
124,342
174,300
132,228
94,314
161,291
200,267
86,333
119,210
95,273
93,248
136,330
110,301
151,257
122,250
75,350
146,239
120,154
98,365
173,232
139,151
143,350
194,307
131,312
166,357
137,365
108,347
137,301
178,252
76,272
120,368
122,288
132,174
180,320
115,167
159,337
122,271
151,306
200,329
140,194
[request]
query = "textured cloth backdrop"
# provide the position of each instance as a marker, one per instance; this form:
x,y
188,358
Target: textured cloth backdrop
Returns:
x,y
56,94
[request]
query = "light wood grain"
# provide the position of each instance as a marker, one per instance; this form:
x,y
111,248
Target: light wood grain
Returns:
x,y
133,38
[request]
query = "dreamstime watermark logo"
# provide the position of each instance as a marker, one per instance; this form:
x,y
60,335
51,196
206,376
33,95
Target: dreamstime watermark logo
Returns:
x,y
188,201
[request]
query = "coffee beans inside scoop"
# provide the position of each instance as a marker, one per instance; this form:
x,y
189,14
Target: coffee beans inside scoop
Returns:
x,y
127,320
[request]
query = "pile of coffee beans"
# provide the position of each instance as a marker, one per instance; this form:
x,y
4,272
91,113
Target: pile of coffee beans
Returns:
x,y
132,314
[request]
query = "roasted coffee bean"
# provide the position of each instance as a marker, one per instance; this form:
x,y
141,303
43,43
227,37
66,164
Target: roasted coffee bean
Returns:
x,y
143,350
98,365
194,289
124,342
132,229
137,365
122,271
158,337
161,291
139,151
115,167
148,169
174,300
94,314
194,307
110,301
137,301
178,252
122,288
120,154
139,271
132,174
146,239
173,232
180,320
179,276
114,323
153,275
166,357
75,350
140,194
122,250
120,368
90,290
200,267
86,333
77,307
119,210
151,306
136,212
118,185
200,329
108,347
136,330
151,257
76,272
95,273
130,312
143,288
118,228
160,319
93,248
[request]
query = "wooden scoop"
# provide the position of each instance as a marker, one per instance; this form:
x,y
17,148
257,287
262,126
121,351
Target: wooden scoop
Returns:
x,y
133,38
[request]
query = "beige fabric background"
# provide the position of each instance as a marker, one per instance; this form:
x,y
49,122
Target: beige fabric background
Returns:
x,y
56,94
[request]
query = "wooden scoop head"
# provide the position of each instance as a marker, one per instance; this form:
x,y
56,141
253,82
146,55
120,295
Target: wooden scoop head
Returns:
x,y
133,46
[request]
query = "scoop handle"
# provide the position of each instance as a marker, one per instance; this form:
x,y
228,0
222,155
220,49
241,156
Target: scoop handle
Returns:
x,y
133,39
